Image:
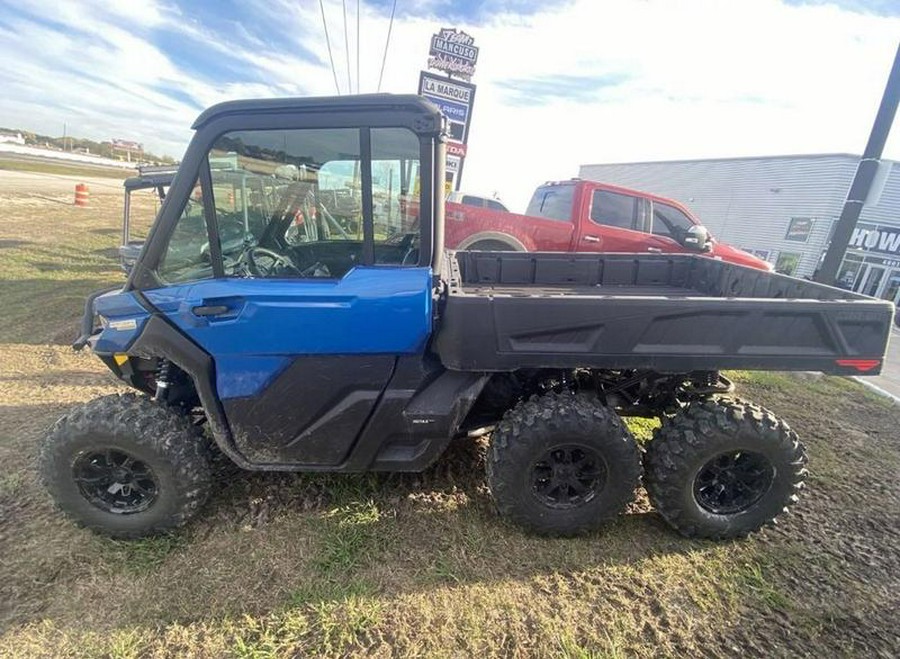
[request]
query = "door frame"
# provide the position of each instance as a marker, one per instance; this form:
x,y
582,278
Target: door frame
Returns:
x,y
863,278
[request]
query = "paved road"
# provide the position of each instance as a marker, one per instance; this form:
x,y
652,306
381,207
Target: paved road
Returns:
x,y
889,380
15,182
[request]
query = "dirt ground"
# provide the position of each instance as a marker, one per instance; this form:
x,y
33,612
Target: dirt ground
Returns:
x,y
414,565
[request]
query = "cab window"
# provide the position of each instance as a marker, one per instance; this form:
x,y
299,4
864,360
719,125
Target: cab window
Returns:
x,y
303,203
552,202
614,210
670,222
187,256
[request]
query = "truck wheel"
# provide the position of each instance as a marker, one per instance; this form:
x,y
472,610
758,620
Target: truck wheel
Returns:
x,y
562,465
126,467
723,468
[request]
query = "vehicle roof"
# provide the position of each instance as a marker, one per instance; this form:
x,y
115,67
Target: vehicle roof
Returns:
x,y
624,190
299,104
149,180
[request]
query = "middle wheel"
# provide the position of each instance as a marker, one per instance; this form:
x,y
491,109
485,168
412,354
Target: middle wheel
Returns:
x,y
561,464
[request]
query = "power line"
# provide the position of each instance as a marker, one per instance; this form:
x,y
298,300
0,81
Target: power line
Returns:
x,y
328,43
387,44
357,46
347,48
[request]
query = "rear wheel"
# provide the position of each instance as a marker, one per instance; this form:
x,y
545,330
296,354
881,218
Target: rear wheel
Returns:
x,y
723,468
126,467
562,465
490,246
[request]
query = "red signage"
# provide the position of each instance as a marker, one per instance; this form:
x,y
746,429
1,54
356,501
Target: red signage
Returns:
x,y
456,149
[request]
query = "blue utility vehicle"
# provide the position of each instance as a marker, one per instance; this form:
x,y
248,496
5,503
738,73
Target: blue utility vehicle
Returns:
x,y
297,309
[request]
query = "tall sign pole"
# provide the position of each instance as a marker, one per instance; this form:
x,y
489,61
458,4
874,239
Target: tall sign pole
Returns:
x,y
862,181
454,54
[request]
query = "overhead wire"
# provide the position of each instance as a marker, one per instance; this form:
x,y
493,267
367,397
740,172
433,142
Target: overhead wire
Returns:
x,y
387,44
357,47
347,48
328,43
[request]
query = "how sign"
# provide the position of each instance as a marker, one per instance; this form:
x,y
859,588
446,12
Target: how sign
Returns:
x,y
873,238
453,52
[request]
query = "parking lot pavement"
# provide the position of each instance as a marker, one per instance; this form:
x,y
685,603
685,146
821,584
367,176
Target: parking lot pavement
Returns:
x,y
889,380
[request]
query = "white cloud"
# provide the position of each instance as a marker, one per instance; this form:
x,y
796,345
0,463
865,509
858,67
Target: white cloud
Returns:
x,y
699,78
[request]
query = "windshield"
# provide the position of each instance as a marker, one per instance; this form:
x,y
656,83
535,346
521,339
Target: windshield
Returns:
x,y
291,203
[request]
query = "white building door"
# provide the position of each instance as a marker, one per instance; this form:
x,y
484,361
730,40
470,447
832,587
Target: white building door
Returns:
x,y
892,287
871,280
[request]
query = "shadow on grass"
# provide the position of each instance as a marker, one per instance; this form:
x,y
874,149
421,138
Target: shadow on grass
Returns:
x,y
38,311
106,232
12,244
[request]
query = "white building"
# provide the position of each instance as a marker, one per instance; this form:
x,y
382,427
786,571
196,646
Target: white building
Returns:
x,y
783,209
12,138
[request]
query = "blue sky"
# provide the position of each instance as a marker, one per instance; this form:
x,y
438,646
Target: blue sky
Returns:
x,y
559,84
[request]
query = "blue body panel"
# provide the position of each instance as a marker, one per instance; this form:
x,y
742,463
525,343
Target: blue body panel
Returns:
x,y
124,320
371,310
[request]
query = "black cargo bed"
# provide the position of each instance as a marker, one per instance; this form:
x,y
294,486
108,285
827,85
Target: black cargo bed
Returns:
x,y
670,313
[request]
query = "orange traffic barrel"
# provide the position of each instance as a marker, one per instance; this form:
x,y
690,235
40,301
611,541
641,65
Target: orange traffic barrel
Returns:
x,y
82,195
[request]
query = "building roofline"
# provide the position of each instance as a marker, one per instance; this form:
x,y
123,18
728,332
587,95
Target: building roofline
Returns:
x,y
807,156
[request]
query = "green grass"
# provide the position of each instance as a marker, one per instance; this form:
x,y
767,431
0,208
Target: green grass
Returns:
x,y
63,168
140,556
350,538
416,564
642,428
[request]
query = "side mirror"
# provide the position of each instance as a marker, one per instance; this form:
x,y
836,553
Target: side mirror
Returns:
x,y
697,239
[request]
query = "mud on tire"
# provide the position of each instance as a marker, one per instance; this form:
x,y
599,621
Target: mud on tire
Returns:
x,y
723,468
562,465
126,467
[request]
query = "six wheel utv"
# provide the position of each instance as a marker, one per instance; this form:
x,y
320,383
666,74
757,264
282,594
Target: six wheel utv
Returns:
x,y
293,306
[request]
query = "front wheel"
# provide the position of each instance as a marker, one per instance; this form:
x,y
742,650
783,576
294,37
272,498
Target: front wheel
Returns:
x,y
126,467
562,465
723,468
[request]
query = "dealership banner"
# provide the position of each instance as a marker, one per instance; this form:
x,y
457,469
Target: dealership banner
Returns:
x,y
454,54
455,99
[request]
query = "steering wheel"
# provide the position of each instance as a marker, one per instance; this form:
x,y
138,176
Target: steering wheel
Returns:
x,y
279,262
410,247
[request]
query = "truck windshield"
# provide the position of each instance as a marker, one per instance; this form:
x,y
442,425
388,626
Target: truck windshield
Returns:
x,y
552,202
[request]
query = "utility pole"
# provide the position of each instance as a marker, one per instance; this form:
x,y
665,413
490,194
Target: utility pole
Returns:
x,y
862,181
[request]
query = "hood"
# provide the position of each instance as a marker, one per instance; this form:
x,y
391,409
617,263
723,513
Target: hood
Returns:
x,y
739,256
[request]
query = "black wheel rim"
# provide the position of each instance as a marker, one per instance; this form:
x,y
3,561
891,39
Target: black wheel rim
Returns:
x,y
568,476
115,481
732,482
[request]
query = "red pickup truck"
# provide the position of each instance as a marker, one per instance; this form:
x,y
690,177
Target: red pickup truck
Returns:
x,y
586,216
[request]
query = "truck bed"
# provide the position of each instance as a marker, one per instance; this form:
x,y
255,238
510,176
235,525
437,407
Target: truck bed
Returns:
x,y
669,313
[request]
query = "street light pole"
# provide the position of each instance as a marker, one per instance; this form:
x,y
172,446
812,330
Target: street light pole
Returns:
x,y
862,181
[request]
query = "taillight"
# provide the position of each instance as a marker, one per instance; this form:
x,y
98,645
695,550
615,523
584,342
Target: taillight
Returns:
x,y
860,365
